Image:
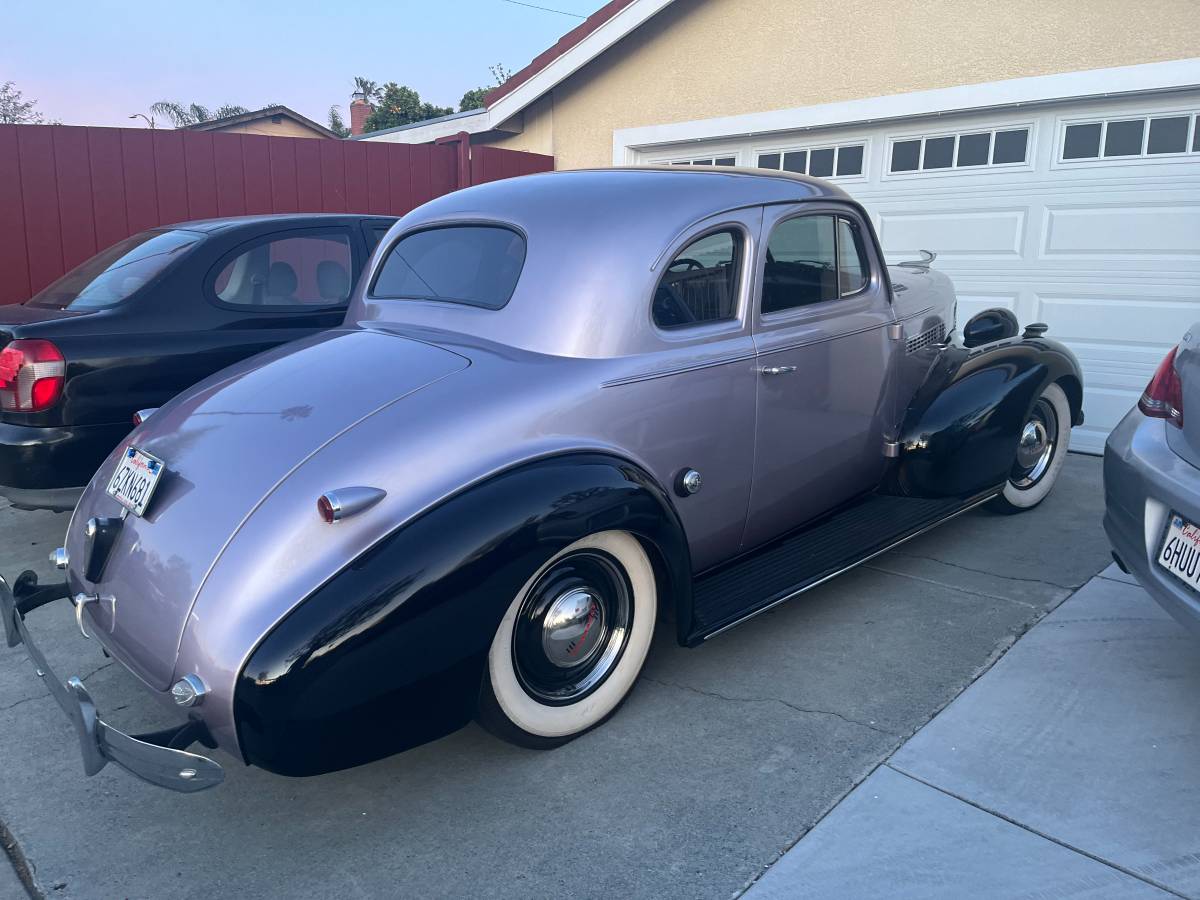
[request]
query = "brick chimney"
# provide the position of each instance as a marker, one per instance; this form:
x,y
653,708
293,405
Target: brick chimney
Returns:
x,y
360,108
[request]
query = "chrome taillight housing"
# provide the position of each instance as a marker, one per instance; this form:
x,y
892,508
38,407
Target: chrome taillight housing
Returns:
x,y
32,373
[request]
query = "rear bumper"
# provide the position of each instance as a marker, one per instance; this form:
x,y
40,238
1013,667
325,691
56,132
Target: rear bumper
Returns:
x,y
159,758
34,459
1144,482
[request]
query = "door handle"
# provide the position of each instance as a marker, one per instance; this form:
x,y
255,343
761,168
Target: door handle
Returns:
x,y
777,370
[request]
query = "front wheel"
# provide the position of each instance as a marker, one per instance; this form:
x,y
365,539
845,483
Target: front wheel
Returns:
x,y
572,642
1041,452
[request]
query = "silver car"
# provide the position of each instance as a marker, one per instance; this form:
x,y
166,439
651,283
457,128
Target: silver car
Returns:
x,y
562,408
1152,485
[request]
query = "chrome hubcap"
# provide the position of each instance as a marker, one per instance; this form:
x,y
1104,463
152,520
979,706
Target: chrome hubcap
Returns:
x,y
1035,448
572,627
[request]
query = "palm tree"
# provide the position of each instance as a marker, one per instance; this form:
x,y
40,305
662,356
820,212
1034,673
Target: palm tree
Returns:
x,y
194,113
366,87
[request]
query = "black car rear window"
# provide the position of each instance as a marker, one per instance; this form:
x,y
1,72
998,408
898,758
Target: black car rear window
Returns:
x,y
116,273
473,264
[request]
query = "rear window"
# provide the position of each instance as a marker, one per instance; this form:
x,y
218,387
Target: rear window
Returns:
x,y
116,273
473,264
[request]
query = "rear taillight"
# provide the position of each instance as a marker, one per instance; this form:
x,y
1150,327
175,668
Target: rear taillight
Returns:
x,y
1163,397
31,376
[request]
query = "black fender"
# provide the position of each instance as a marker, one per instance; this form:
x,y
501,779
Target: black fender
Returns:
x,y
390,652
959,434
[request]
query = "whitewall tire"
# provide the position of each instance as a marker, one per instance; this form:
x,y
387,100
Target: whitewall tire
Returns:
x,y
1041,452
572,642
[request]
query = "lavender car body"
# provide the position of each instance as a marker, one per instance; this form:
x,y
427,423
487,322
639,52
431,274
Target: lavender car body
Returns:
x,y
743,457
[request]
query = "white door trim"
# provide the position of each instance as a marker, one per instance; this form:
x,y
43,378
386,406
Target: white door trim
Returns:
x,y
1179,74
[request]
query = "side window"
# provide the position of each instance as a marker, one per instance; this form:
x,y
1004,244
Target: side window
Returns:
x,y
853,270
813,259
293,270
701,283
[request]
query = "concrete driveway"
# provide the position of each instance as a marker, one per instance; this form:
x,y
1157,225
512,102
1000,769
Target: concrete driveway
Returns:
x,y
721,760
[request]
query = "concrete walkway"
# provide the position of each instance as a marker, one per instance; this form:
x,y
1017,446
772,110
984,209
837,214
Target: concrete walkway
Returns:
x,y
1070,769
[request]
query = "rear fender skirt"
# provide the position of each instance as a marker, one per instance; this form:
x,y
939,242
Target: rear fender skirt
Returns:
x,y
390,652
959,436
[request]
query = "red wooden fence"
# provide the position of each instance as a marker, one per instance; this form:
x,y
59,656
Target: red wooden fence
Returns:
x,y
67,192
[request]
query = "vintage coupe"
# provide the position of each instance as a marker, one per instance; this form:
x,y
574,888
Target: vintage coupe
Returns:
x,y
149,316
562,408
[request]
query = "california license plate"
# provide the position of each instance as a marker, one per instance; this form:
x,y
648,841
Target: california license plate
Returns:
x,y
1180,552
133,483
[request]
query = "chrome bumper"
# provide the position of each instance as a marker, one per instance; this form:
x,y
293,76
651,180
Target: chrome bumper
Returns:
x,y
99,742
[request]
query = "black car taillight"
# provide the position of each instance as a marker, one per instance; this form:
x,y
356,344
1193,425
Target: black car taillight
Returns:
x,y
31,376
1163,397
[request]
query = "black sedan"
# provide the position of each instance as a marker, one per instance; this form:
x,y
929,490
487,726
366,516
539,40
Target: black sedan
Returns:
x,y
146,318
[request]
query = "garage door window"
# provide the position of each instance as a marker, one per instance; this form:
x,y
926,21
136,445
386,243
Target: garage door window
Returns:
x,y
966,150
1131,138
842,161
701,161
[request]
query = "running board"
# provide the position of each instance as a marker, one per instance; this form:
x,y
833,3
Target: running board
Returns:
x,y
817,552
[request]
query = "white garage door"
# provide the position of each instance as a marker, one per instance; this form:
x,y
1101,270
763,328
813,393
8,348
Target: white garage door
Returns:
x,y
1084,216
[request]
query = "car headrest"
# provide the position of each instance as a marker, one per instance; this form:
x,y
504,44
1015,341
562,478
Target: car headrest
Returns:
x,y
333,281
281,280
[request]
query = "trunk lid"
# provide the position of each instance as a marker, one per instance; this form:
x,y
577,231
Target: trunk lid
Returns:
x,y
1186,441
226,444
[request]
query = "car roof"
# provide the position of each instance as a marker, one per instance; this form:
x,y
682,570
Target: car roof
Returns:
x,y
210,226
595,246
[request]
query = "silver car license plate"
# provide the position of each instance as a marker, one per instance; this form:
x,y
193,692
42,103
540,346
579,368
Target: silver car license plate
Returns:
x,y
133,483
1180,552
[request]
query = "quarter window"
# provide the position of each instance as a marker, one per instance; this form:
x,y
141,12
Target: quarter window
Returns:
x,y
1125,138
297,270
820,162
813,259
973,149
700,284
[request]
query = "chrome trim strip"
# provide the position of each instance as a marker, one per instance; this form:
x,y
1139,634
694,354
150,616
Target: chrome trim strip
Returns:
x,y
891,546
677,370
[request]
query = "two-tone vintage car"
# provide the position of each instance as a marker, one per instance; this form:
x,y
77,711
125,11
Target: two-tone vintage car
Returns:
x,y
563,408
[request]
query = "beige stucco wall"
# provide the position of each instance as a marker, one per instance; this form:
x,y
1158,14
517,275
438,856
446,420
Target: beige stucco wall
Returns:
x,y
285,128
704,58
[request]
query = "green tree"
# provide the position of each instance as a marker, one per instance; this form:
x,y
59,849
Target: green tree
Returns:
x,y
16,111
336,125
475,98
398,104
194,113
366,87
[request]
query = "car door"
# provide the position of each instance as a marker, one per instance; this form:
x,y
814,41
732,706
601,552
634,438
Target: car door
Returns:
x,y
823,356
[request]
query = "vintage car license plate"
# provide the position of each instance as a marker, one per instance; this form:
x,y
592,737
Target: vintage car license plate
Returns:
x,y
1180,553
133,483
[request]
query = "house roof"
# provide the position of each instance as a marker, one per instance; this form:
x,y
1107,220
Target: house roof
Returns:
x,y
561,46
575,49
255,115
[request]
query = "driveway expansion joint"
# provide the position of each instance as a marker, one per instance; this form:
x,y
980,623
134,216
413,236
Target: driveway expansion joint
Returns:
x,y
1132,873
791,706
1054,584
953,587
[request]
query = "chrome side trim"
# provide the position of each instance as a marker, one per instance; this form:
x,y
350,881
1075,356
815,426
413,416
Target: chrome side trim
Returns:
x,y
677,370
891,546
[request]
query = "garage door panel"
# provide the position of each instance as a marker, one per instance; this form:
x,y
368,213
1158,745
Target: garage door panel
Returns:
x,y
971,303
955,234
1138,319
1158,231
1103,408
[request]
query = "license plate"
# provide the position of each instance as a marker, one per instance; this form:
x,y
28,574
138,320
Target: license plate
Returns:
x,y
133,483
1180,552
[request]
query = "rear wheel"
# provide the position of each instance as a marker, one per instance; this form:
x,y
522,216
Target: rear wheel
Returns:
x,y
572,642
1041,452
